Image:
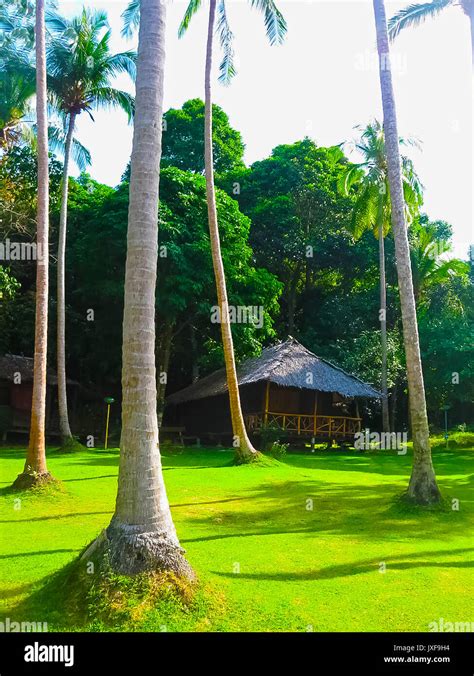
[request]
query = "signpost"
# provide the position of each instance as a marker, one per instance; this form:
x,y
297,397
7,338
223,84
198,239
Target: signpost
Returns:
x,y
446,409
108,401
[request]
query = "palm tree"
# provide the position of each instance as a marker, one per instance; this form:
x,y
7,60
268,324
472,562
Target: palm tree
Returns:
x,y
413,15
276,28
80,68
35,470
141,535
372,211
429,267
17,89
422,488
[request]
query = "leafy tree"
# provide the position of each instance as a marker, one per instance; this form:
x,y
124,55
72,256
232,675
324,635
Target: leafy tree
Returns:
x,y
299,219
8,284
185,287
183,139
81,67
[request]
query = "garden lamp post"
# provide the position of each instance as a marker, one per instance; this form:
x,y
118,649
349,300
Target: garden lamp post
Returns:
x,y
108,401
446,408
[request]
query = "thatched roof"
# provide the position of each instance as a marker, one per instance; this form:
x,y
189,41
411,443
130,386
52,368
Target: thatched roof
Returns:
x,y
10,364
287,364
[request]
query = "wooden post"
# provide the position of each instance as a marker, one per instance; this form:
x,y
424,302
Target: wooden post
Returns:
x,y
315,411
357,414
267,398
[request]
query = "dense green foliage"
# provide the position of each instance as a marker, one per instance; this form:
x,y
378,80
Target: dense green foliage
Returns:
x,y
288,247
183,139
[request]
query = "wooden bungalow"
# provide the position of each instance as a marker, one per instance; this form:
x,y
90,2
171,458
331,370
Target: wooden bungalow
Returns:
x,y
287,387
16,393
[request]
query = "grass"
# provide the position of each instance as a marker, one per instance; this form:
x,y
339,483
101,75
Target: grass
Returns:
x,y
291,546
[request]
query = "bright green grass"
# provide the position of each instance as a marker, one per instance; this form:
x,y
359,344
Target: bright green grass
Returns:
x,y
267,562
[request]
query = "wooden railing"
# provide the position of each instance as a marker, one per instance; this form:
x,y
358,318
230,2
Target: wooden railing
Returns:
x,y
305,425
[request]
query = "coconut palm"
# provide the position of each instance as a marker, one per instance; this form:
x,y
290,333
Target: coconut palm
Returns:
x,y
17,89
413,15
429,266
422,488
80,70
276,28
372,211
141,536
36,470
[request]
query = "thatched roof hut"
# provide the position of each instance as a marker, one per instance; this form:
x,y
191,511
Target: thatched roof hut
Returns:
x,y
13,364
16,392
288,364
285,380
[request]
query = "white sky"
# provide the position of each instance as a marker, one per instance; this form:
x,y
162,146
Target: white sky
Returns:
x,y
321,83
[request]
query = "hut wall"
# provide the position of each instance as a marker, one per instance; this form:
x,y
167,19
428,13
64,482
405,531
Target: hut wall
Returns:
x,y
212,414
202,416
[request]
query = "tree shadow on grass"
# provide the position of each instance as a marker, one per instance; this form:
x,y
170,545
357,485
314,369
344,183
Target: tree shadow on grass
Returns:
x,y
53,517
398,562
381,462
315,508
46,552
47,598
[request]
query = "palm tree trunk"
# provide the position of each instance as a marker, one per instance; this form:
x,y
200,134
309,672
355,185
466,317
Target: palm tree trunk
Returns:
x,y
35,470
468,8
243,448
141,536
64,428
422,488
383,330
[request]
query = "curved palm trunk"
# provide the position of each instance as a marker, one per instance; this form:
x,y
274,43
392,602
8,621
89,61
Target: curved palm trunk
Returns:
x,y
141,536
64,428
244,450
35,466
383,330
422,488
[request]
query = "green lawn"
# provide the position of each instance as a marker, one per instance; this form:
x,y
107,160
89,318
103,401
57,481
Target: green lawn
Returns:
x,y
267,562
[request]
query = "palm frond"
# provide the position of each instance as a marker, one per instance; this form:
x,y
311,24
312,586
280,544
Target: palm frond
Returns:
x,y
57,144
349,178
275,22
109,97
131,18
413,15
124,62
226,38
191,10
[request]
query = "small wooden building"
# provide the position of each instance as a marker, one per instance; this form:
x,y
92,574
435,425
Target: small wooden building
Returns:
x,y
16,393
287,387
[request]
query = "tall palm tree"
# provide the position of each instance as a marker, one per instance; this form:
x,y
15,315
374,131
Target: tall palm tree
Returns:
x,y
372,211
276,28
36,470
413,15
422,488
80,68
141,535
